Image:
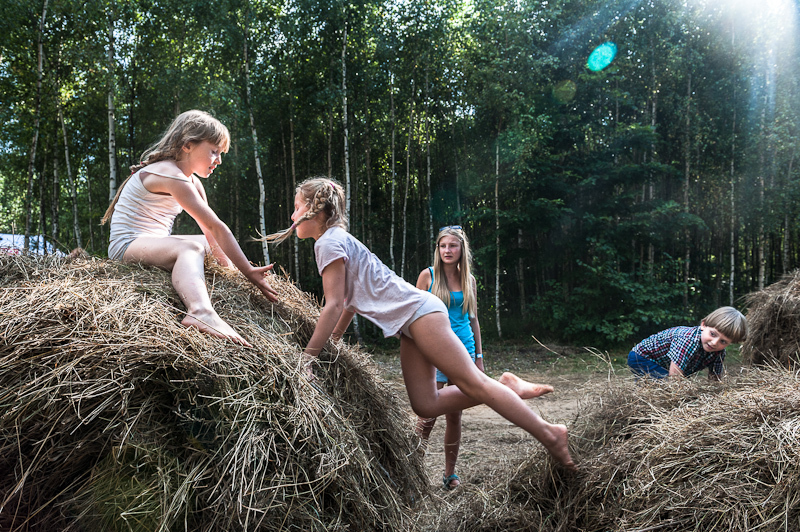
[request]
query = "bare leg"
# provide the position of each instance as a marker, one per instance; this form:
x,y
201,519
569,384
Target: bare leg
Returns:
x,y
425,425
452,444
215,251
523,388
435,344
185,257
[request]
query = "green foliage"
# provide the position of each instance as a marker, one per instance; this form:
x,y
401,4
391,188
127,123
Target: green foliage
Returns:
x,y
605,305
688,139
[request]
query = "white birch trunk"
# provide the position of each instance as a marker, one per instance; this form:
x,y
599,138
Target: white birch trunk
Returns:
x,y
54,203
687,173
408,185
497,236
428,170
76,229
262,225
786,224
35,140
762,238
112,136
394,174
523,309
295,240
344,120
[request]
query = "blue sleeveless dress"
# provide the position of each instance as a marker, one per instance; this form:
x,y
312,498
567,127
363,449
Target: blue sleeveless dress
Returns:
x,y
459,322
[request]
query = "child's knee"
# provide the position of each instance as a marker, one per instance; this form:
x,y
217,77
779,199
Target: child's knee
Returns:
x,y
474,384
422,410
192,247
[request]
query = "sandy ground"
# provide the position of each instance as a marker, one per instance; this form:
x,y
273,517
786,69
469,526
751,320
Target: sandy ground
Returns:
x,y
490,445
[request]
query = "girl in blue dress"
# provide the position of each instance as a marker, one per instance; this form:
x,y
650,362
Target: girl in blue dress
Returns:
x,y
451,280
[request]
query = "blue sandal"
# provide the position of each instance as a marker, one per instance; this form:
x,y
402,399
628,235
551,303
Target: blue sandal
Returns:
x,y
447,480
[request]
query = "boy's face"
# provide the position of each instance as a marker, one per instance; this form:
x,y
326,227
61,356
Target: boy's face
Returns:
x,y
711,339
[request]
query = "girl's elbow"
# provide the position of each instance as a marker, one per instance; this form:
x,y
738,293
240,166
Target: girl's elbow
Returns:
x,y
336,306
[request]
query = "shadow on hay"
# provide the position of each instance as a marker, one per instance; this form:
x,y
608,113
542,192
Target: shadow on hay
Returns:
x,y
679,455
115,417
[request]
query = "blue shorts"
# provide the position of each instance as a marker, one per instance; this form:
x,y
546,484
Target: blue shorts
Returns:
x,y
644,367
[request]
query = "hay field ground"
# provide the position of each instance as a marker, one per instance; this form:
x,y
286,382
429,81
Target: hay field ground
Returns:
x,y
493,450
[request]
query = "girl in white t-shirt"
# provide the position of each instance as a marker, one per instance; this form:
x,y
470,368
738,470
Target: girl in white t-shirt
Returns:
x,y
355,280
163,184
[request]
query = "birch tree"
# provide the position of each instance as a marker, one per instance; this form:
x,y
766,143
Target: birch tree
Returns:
x,y
112,136
36,118
254,135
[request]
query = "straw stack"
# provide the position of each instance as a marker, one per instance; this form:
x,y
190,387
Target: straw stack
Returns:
x,y
115,417
773,321
668,456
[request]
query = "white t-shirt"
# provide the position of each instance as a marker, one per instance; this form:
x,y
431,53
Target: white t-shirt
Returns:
x,y
371,289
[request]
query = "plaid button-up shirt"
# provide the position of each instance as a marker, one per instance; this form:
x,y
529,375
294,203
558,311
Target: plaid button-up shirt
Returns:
x,y
682,346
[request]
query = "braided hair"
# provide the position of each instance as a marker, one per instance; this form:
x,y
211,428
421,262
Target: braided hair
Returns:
x,y
322,195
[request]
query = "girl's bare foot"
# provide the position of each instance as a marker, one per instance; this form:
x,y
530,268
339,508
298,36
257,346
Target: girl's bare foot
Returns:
x,y
559,449
523,388
215,326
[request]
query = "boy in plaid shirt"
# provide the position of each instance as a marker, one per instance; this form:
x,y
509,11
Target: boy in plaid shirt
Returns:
x,y
687,350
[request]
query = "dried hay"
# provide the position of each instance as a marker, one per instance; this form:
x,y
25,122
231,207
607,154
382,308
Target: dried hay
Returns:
x,y
678,455
773,323
115,417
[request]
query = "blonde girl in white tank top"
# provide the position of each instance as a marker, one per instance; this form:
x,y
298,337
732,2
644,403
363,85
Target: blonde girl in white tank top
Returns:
x,y
147,203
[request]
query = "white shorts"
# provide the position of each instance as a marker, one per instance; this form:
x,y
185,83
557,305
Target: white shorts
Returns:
x,y
432,304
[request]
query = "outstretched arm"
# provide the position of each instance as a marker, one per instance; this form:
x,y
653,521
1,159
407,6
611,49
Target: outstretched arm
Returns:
x,y
189,197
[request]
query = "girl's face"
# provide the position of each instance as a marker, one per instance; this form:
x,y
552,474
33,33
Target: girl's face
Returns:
x,y
450,249
309,228
200,158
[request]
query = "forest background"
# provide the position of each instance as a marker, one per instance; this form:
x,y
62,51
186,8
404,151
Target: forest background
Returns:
x,y
602,206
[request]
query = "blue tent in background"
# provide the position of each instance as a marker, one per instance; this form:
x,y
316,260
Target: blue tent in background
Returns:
x,y
14,244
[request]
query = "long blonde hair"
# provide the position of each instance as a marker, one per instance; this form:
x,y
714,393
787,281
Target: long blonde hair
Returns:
x,y
439,288
321,195
188,127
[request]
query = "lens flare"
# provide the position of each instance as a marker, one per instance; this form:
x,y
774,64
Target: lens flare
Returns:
x,y
602,56
564,91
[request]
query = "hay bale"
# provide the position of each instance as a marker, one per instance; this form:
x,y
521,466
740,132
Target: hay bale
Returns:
x,y
679,455
773,323
115,417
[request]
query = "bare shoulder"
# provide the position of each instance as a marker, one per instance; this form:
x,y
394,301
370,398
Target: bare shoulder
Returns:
x,y
168,168
424,279
155,178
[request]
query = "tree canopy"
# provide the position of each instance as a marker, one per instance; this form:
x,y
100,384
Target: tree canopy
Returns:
x,y
601,205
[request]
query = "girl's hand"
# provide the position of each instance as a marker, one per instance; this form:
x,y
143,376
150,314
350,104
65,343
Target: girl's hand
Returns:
x,y
256,275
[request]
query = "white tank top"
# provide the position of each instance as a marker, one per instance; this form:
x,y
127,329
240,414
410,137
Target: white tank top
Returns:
x,y
139,212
